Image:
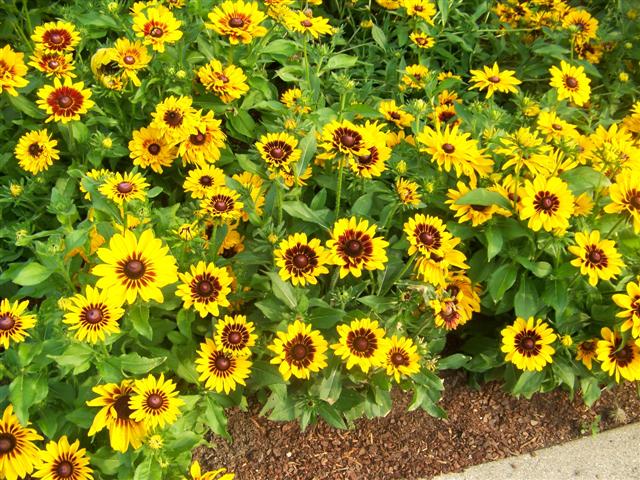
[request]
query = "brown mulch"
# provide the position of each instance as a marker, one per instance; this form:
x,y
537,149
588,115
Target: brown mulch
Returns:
x,y
482,426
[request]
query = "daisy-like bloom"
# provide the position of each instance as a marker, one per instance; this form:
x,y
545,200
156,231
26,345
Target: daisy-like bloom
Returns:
x,y
131,57
547,203
434,269
104,65
582,205
343,138
57,64
301,260
422,40
445,114
229,83
361,343
630,305
124,188
618,359
201,182
400,357
494,80
389,4
222,205
203,147
253,184
64,102
157,27
625,198
554,128
135,267
219,370
293,100
94,315
150,148
570,82
36,151
175,118
525,149
414,77
612,150
279,150
237,20
155,402
447,314
586,352
302,23
598,259
234,335
373,163
299,351
187,231
407,192
64,461
56,36
424,9
14,322
452,148
220,474
527,344
464,299
205,288
290,179
476,214
582,25
354,247
18,454
232,244
115,416
393,113
12,70
97,175
427,235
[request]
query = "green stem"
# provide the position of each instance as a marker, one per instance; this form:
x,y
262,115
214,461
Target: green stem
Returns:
x,y
400,275
306,62
615,225
339,192
214,243
280,200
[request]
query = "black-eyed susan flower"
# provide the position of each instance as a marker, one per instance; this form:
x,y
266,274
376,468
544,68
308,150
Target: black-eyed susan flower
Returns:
x,y
527,344
525,149
625,198
476,214
135,267
422,40
354,247
253,184
570,82
435,269
220,474
586,352
219,370
629,302
301,260
232,244
131,57
582,25
176,118
447,314
618,359
598,259
393,113
407,191
94,315
187,231
427,235
493,80
97,175
234,335
400,357
456,301
305,22
104,66
373,163
223,205
342,138
14,322
56,36
155,402
64,102
126,187
157,27
424,9
299,351
361,343
56,64
414,77
115,415
12,70
290,179
612,150
18,453
278,150
294,100
203,146
150,148
201,182
238,21
554,128
389,4
205,288
36,151
62,460
547,203
229,83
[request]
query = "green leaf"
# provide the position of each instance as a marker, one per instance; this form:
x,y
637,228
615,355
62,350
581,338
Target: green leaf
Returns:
x,y
303,212
590,390
483,197
555,295
32,274
216,419
25,391
283,290
457,360
243,124
331,386
325,318
22,104
341,60
331,415
264,374
308,145
502,280
584,179
379,37
280,47
443,8
494,241
564,371
378,304
149,469
134,363
526,302
139,315
528,383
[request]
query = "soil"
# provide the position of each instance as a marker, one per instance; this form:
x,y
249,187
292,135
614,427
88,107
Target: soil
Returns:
x,y
482,425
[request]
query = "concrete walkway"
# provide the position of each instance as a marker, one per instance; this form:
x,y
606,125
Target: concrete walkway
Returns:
x,y
611,455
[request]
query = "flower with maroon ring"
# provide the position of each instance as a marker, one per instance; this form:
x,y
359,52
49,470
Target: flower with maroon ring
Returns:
x,y
234,335
56,36
18,453
229,83
205,288
301,260
586,352
625,198
135,267
12,71
598,259
150,148
14,322
157,27
237,20
201,182
618,358
176,118
427,235
354,247
155,402
299,351
64,102
304,22
400,357
93,315
124,188
278,150
57,64
221,371
571,83
64,461
202,147
492,79
629,302
343,138
547,203
222,205
361,343
36,151
527,344
131,57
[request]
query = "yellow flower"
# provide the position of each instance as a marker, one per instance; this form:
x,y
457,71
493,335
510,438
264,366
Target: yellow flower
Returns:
x,y
57,64
528,344
553,127
36,151
393,113
424,9
547,203
427,235
415,77
222,205
14,322
361,343
56,36
175,118
157,26
476,214
18,453
201,182
570,82
221,371
630,305
566,340
625,198
205,288
62,460
300,260
237,20
400,357
598,259
229,83
155,402
293,100
15,189
93,315
150,148
494,80
618,359
299,351
372,163
586,352
203,146
155,442
64,102
279,150
131,57
342,138
302,23
407,192
422,40
124,188
104,65
187,231
582,25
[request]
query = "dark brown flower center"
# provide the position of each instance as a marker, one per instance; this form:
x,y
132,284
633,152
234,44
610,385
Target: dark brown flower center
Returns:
x,y
277,152
220,206
299,351
53,64
64,469
7,443
125,187
35,149
448,148
547,202
7,322
56,38
173,118
361,344
156,32
398,359
223,78
528,343
427,238
236,22
206,180
365,159
93,316
223,363
595,256
353,248
494,79
154,149
301,260
235,338
64,101
155,401
634,201
134,269
198,139
129,59
395,115
624,356
306,23
348,140
122,408
571,82
204,288
556,126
